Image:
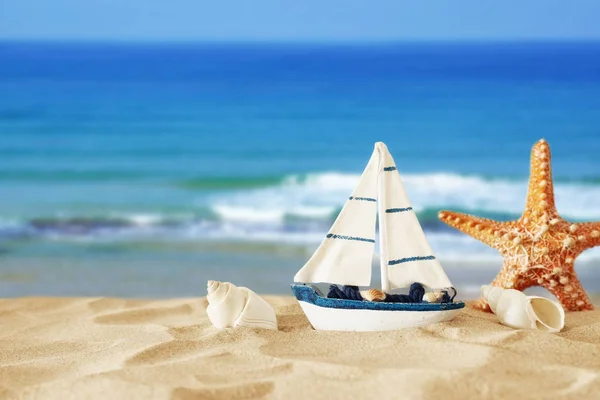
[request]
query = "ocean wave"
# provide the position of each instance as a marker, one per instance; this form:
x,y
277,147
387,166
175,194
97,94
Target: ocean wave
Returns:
x,y
322,195
439,187
71,226
447,244
298,201
299,209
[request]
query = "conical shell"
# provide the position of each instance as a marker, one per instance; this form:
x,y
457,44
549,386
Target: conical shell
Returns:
x,y
548,314
231,306
491,294
517,310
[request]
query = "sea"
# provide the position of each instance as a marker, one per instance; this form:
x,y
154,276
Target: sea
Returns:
x,y
145,169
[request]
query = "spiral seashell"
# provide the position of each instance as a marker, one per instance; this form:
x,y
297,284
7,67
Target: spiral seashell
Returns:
x,y
372,295
231,306
517,310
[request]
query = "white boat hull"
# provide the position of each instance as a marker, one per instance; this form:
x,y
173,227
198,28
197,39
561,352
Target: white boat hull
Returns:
x,y
340,319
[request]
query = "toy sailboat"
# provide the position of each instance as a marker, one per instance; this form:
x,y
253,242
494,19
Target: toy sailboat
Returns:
x,y
345,256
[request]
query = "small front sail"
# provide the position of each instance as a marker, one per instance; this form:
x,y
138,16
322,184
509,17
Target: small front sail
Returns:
x,y
345,255
409,256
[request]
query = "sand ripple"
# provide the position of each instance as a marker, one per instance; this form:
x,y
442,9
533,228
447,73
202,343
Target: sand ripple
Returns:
x,y
127,349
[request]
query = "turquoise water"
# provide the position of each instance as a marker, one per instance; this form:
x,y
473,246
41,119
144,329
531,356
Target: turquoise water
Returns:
x,y
232,160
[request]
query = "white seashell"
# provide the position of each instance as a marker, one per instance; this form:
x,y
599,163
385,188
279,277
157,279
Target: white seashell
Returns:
x,y
430,297
435,296
231,306
517,310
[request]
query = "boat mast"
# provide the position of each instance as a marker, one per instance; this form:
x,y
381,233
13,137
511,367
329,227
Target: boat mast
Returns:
x,y
383,261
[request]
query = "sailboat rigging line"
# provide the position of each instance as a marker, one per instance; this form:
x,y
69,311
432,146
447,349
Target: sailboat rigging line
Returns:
x,y
388,169
360,239
362,198
409,259
396,210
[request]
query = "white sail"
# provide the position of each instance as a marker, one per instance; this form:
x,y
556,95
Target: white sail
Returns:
x,y
408,254
345,255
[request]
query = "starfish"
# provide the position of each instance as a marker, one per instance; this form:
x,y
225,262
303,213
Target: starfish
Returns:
x,y
540,248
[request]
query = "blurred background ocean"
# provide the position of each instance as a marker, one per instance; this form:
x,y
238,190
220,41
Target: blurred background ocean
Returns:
x,y
144,169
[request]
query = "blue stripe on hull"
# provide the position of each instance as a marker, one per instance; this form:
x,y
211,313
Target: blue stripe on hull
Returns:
x,y
334,236
309,295
409,259
397,210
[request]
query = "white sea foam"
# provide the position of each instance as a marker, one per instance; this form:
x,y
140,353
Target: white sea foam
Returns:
x,y
259,214
145,219
247,214
320,195
300,210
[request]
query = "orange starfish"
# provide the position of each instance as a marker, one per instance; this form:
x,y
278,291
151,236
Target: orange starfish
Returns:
x,y
539,248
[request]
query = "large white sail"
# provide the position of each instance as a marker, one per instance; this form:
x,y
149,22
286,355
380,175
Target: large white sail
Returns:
x,y
345,255
408,254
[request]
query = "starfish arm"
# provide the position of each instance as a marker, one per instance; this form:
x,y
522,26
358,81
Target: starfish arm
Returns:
x,y
571,294
540,195
540,248
482,229
589,234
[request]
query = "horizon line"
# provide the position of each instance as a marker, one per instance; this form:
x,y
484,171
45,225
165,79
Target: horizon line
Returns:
x,y
390,41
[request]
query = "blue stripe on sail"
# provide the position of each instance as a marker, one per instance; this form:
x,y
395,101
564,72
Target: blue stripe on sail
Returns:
x,y
395,210
409,259
334,236
362,198
392,168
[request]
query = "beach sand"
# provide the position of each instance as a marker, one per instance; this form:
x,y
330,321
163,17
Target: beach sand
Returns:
x,y
103,348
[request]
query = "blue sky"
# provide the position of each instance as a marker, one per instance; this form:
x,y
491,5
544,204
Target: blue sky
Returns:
x,y
303,20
